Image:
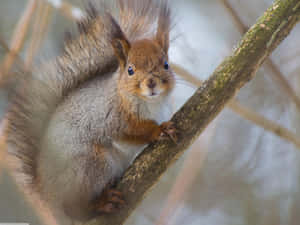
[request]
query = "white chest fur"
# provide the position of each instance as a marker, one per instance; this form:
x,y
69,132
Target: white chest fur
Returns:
x,y
152,111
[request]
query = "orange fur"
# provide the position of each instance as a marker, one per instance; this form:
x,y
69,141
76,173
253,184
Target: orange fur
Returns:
x,y
141,131
147,58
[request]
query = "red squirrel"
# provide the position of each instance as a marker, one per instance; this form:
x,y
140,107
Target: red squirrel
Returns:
x,y
76,123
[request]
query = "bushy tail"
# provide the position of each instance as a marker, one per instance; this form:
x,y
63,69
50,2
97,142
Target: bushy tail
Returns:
x,y
90,54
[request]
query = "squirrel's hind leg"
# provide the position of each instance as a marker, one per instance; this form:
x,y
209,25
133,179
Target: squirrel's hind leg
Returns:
x,y
74,183
102,168
110,200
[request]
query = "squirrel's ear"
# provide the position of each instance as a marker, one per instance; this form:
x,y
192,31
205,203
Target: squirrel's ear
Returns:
x,y
118,41
121,48
163,27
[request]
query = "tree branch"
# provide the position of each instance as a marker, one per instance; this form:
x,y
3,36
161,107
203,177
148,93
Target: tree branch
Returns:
x,y
234,72
245,112
275,74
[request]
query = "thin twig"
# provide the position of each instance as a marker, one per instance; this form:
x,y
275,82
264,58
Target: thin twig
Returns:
x,y
8,50
244,112
186,75
19,35
41,23
275,72
235,17
2,147
19,65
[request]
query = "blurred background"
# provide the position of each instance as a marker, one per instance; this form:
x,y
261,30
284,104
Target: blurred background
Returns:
x,y
244,169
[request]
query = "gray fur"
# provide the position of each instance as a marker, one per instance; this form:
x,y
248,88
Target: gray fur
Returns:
x,y
66,106
89,115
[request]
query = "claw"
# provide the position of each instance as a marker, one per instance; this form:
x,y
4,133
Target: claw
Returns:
x,y
117,199
112,192
168,131
110,201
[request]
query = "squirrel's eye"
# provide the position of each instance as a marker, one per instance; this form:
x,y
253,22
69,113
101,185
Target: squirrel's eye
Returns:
x,y
130,71
166,65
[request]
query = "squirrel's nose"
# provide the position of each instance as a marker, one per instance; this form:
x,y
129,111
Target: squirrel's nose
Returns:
x,y
151,83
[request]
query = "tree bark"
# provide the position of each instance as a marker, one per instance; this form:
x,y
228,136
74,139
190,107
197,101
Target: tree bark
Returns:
x,y
234,72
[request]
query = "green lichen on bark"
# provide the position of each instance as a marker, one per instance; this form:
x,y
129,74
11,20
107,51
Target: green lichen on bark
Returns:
x,y
234,72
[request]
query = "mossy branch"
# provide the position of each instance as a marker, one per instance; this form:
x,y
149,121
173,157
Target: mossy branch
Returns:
x,y
233,73
275,73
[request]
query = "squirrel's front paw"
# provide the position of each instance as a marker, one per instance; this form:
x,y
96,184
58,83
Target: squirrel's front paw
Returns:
x,y
168,130
110,201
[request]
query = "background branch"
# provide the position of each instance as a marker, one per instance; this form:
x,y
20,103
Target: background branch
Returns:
x,y
9,51
205,104
19,36
39,30
2,147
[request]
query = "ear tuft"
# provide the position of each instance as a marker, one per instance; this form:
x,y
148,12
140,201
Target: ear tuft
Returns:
x,y
163,26
119,42
121,48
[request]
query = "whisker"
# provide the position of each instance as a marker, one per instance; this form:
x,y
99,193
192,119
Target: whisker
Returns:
x,y
186,84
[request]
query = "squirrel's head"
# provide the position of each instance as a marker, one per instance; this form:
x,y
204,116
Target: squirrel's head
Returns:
x,y
143,64
146,72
